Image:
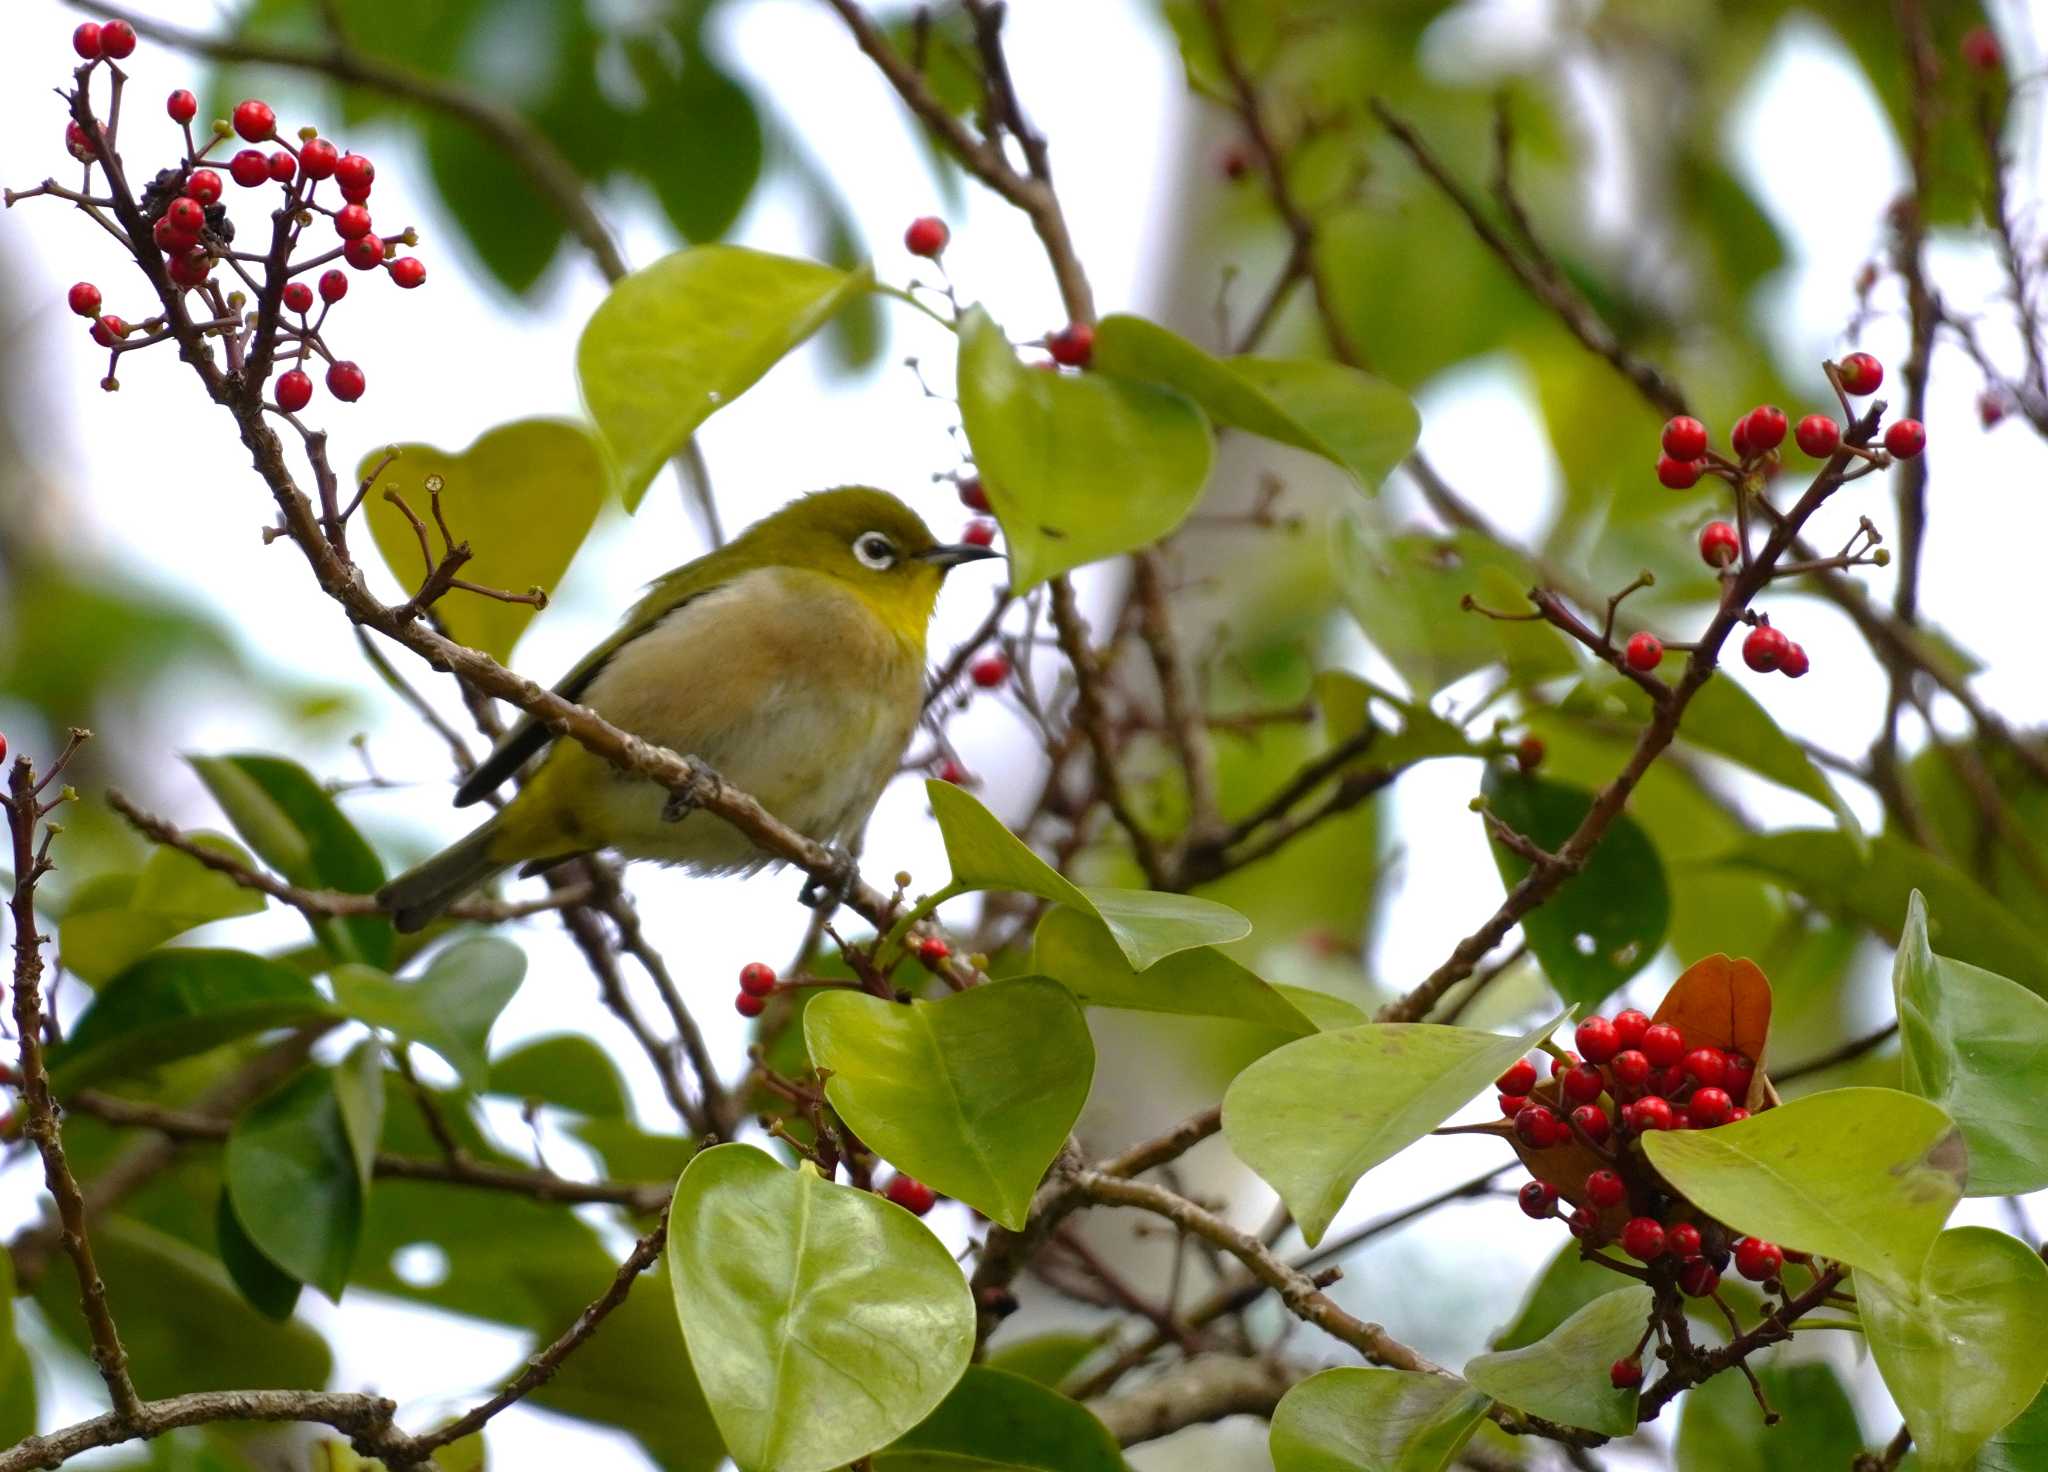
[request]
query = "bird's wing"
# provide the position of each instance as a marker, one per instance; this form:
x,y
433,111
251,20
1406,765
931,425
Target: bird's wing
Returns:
x,y
529,735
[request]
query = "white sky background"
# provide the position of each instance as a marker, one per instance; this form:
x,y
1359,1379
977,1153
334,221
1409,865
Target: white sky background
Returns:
x,y
165,492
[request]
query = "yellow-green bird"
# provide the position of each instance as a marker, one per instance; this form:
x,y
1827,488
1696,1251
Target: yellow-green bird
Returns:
x,y
791,659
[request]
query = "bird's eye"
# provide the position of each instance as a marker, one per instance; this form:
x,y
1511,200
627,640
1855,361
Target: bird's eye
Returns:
x,y
875,550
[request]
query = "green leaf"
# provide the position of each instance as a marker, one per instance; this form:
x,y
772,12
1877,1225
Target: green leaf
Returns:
x,y
1079,952
450,1008
175,1003
1079,467
1328,1013
522,498
823,1322
2022,1446
513,229
291,1174
1563,1376
1977,1045
1314,1116
678,340
698,142
267,1288
1720,1430
1148,925
567,1070
116,919
1824,867
17,1376
1046,1358
1372,1420
294,826
972,1094
1349,418
1866,1176
359,1091
1609,921
1566,1285
994,1421
1965,1349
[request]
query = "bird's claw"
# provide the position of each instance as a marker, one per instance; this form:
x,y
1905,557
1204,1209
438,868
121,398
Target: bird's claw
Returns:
x,y
826,898
678,807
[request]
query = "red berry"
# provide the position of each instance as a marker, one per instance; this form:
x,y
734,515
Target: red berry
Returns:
x,y
1072,346
933,951
1584,1084
409,271
249,168
1708,1065
1597,1040
1511,1104
282,167
255,121
294,391
351,222
85,299
1860,374
354,172
1519,1079
87,42
117,39
1678,475
914,1196
989,671
1630,1025
109,330
1766,428
973,495
1643,1239
190,268
298,297
1739,438
1758,1260
1539,1129
333,286
1529,753
345,382
1905,439
170,239
1537,1199
1561,1064
1980,49
757,979
979,533
182,106
1991,408
1682,1240
1630,1067
1592,1122
1668,1082
204,186
1685,438
1651,1113
1605,1188
1818,435
1709,1106
78,144
1644,651
748,1006
1720,544
1698,1278
318,158
185,215
365,253
1235,161
1740,1071
927,237
1625,1374
1583,1223
1764,649
1737,1115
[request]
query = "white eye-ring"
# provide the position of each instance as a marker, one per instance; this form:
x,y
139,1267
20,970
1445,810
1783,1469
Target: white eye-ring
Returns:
x,y
875,550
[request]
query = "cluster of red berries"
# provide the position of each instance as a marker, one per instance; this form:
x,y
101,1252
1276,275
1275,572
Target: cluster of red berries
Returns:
x,y
109,40
757,985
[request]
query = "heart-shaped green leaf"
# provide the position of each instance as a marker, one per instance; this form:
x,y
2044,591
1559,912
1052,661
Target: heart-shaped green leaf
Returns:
x,y
450,1008
1315,1115
1977,1045
1373,1420
823,1322
1078,951
523,497
291,1174
994,1421
1719,1429
1964,1350
678,340
117,918
1609,922
1078,466
972,1094
1563,1376
1866,1176
2022,1444
175,1003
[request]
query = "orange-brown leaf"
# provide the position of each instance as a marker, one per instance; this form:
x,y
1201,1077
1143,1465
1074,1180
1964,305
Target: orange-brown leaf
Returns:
x,y
1721,1003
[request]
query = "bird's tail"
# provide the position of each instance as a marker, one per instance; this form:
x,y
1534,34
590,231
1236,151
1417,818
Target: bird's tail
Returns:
x,y
415,897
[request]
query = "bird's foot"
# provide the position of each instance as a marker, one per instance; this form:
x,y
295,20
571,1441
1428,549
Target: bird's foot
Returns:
x,y
678,807
828,897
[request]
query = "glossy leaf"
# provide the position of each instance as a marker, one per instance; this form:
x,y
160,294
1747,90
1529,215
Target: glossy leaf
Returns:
x,y
1046,1358
291,1174
1373,1420
1965,1349
450,1008
1079,467
1720,1430
1567,1284
1315,1115
1607,923
1563,1376
973,1094
677,340
175,1003
2021,1445
359,1091
1149,925
1078,951
1977,1045
117,919
998,1421
522,498
1866,1176
265,1286
1725,1004
293,825
823,1322
567,1070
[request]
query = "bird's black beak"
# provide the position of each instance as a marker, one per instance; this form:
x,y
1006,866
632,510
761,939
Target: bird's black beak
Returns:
x,y
952,556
